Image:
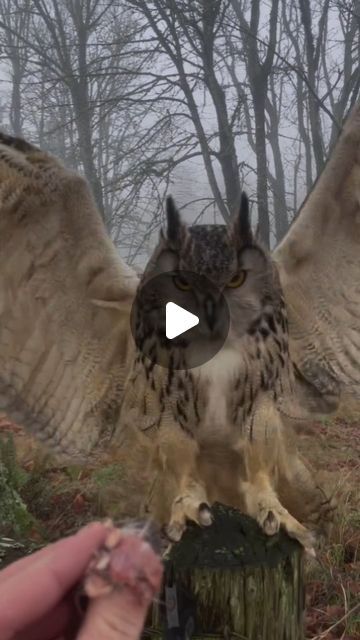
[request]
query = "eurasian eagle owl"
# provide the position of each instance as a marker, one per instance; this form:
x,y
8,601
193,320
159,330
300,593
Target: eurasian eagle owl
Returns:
x,y
71,373
226,406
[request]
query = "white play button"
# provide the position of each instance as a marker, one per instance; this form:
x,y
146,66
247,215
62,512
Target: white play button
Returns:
x,y
169,335
178,320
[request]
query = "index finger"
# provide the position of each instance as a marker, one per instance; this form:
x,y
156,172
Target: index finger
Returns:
x,y
20,565
27,595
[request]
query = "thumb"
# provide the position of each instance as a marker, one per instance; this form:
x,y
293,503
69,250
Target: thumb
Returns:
x,y
118,615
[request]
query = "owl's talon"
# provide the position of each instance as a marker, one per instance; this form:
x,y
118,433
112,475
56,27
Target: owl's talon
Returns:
x,y
271,524
205,515
310,542
310,551
174,531
306,538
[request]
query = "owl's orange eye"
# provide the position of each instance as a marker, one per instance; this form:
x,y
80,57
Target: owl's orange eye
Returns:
x,y
237,280
182,284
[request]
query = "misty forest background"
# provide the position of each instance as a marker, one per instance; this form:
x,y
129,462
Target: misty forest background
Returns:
x,y
199,98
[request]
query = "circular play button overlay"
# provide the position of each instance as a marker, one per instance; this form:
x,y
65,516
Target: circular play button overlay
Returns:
x,y
179,319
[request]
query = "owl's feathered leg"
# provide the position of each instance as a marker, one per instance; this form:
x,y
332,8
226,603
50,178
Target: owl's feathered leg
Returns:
x,y
267,457
255,465
177,456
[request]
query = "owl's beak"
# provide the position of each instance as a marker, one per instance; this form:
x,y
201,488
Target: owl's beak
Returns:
x,y
210,307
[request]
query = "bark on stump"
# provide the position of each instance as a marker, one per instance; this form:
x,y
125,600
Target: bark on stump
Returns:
x,y
231,581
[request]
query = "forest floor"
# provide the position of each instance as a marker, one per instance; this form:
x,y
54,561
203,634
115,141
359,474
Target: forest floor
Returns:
x,y
333,581
55,501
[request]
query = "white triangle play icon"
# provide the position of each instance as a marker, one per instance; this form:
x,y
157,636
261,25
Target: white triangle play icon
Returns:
x,y
178,320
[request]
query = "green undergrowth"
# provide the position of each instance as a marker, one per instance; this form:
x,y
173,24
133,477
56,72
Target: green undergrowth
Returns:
x,y
15,518
41,501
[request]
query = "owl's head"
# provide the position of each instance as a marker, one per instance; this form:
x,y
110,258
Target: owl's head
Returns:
x,y
216,262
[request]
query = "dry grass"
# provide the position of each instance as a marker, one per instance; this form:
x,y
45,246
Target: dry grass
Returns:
x,y
333,588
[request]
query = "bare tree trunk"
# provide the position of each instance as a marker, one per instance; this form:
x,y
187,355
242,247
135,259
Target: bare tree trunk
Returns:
x,y
296,175
350,88
278,182
15,21
81,109
304,134
258,72
227,153
259,96
80,94
312,55
16,102
204,147
292,31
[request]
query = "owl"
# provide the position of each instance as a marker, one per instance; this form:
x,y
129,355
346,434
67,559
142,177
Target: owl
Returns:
x,y
73,373
225,412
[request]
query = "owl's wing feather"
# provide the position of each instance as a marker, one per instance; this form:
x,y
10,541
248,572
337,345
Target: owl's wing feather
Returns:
x,y
65,298
319,264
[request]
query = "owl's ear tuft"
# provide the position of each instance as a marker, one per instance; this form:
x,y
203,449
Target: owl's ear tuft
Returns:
x,y
175,226
242,226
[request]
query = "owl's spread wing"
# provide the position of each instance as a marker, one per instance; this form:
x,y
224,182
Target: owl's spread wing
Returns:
x,y
319,264
65,298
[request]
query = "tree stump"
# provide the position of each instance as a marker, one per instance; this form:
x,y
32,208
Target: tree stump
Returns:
x,y
229,580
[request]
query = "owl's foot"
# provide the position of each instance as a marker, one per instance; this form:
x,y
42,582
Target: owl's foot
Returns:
x,y
272,517
191,505
263,504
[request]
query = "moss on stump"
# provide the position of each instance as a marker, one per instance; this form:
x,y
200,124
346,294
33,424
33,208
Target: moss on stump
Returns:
x,y
231,581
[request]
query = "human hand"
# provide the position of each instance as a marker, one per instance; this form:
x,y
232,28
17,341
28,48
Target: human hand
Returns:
x,y
37,600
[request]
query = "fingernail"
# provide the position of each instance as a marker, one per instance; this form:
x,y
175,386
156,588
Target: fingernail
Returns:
x,y
108,523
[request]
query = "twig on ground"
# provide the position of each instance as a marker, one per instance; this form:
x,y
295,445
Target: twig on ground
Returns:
x,y
323,634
